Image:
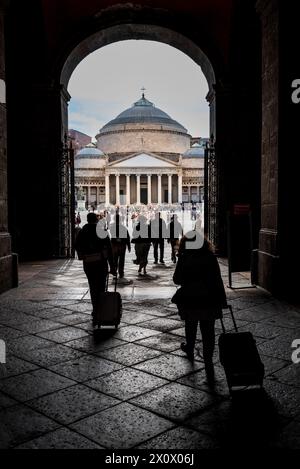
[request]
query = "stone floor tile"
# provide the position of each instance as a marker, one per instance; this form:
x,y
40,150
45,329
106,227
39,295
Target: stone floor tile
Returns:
x,y
155,311
60,439
95,343
19,424
26,343
72,404
8,333
64,335
50,313
273,364
285,398
198,380
52,355
263,330
179,332
162,324
81,307
133,317
14,319
6,401
133,333
289,375
34,384
247,420
253,314
73,319
162,342
126,383
15,366
60,303
180,438
126,427
39,325
290,321
280,347
169,367
85,368
129,354
175,401
213,421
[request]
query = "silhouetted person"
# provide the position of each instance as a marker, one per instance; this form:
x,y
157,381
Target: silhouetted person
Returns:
x,y
120,240
175,234
96,253
158,234
142,240
194,212
201,296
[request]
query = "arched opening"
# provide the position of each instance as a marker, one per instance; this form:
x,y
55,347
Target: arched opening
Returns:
x,y
152,33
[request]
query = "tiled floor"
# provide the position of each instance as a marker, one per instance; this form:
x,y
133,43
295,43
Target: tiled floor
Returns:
x,y
66,387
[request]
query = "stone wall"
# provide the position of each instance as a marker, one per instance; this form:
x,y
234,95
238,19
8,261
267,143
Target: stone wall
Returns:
x,y
6,273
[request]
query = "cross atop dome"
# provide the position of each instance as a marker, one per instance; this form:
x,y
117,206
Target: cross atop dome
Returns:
x,y
143,90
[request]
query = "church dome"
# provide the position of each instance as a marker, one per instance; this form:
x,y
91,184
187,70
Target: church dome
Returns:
x,y
144,112
90,151
197,151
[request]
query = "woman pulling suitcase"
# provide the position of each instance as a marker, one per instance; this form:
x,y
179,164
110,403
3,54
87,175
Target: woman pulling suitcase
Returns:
x,y
201,298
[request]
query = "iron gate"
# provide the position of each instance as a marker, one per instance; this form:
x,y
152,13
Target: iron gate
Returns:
x,y
211,194
66,201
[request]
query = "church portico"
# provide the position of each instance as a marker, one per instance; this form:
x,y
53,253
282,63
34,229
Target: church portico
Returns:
x,y
136,187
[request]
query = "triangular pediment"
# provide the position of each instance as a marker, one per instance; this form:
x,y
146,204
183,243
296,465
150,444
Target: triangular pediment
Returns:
x,y
143,160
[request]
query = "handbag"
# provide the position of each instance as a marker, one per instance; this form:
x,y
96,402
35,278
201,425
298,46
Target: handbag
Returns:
x,y
89,258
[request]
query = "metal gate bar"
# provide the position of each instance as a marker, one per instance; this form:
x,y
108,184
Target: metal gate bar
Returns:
x,y
66,201
211,194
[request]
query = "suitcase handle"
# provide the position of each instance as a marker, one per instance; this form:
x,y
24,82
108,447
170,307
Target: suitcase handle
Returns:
x,y
107,281
233,320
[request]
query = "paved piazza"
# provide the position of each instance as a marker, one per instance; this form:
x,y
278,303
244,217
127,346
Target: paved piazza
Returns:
x,y
66,387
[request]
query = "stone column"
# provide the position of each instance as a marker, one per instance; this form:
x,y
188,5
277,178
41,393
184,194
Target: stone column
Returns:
x,y
89,196
6,269
268,256
128,189
180,188
107,190
170,189
159,189
138,189
117,190
149,189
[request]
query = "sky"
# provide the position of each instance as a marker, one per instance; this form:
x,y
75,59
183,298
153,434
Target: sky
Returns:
x,y
110,80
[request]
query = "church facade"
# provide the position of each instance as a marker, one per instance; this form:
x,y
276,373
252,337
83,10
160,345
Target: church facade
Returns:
x,y
143,157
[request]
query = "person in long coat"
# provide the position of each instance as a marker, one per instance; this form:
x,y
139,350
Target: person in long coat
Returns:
x,y
142,239
96,253
202,297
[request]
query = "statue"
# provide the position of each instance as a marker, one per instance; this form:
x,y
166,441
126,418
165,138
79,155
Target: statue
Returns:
x,y
80,194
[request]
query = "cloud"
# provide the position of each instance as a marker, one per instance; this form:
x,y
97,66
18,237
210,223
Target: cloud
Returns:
x,y
109,81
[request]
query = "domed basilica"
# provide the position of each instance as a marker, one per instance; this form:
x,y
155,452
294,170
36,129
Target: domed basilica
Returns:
x,y
141,157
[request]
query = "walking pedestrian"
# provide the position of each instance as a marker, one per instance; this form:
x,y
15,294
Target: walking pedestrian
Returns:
x,y
142,240
96,254
120,240
175,232
201,297
158,235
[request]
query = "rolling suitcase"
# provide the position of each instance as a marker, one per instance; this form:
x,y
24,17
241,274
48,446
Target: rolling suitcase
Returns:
x,y
109,311
240,358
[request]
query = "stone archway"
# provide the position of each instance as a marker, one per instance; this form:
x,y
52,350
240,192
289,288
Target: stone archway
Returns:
x,y
213,39
123,32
